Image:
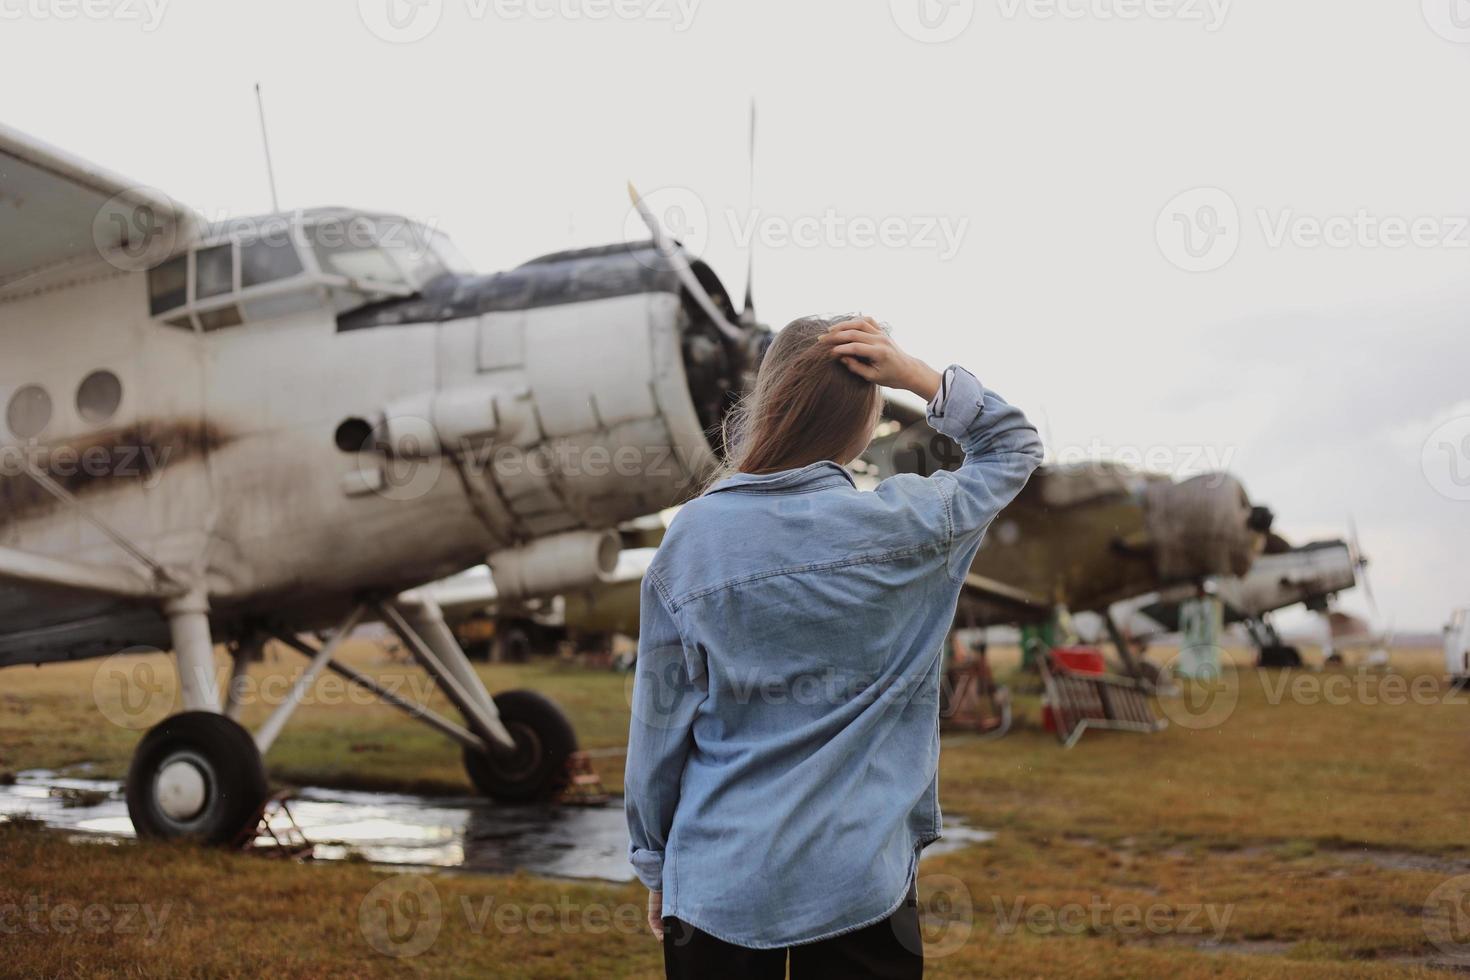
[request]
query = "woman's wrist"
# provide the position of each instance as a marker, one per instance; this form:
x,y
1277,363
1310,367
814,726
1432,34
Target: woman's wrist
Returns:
x,y
922,380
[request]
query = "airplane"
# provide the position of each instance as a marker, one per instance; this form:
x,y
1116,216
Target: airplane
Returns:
x,y
1079,537
281,426
1310,574
1082,536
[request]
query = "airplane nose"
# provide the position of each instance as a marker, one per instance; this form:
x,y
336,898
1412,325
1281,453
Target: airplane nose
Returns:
x,y
1200,527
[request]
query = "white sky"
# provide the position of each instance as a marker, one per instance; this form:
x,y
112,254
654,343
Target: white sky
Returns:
x,y
1315,373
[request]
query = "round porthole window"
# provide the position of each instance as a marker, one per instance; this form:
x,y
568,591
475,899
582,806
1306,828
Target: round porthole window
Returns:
x,y
29,412
99,396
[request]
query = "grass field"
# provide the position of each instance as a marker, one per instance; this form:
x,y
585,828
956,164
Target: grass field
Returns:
x,y
1298,824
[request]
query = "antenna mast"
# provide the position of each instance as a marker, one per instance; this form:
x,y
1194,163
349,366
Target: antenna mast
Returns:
x,y
270,170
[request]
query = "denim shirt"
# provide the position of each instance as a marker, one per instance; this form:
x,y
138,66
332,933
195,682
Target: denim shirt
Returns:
x,y
784,749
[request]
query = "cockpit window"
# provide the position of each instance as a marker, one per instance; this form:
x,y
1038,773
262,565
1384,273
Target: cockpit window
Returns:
x,y
168,285
352,250
266,260
414,249
214,271
450,255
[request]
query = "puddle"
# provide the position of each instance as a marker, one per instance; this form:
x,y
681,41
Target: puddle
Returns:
x,y
465,834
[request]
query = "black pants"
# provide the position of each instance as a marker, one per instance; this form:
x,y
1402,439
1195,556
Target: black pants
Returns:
x,y
887,950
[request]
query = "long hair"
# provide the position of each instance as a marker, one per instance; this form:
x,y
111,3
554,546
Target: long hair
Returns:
x,y
806,406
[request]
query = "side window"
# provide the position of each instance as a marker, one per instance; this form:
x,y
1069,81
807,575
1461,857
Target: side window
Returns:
x,y
214,271
168,285
265,260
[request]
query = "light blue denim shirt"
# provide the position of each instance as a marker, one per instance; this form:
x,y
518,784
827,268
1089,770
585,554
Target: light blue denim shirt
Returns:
x,y
784,751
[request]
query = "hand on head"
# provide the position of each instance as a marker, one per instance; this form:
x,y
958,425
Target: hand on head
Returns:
x,y
871,354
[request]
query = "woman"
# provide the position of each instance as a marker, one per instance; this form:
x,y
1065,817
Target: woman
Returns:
x,y
784,748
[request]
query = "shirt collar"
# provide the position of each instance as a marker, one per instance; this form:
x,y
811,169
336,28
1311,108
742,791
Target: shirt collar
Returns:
x,y
814,476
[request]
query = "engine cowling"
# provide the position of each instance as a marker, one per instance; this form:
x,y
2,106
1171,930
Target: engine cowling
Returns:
x,y
576,392
555,564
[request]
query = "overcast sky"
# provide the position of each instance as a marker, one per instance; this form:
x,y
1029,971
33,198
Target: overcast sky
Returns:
x,y
1192,231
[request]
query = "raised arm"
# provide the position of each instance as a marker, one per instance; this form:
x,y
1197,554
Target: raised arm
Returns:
x,y
1001,447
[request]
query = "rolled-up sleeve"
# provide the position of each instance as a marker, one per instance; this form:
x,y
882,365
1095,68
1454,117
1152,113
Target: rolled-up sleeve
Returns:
x,y
1001,447
668,688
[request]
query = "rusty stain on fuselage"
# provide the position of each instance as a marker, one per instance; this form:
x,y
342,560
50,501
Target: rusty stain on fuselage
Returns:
x,y
92,465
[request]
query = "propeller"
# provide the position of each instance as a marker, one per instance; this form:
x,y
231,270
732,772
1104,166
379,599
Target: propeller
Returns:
x,y
747,315
1360,561
679,262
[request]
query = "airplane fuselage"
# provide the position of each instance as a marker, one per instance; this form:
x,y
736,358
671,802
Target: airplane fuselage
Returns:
x,y
312,447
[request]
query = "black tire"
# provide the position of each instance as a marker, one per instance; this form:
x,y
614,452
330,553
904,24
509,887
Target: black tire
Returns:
x,y
224,755
1279,656
545,740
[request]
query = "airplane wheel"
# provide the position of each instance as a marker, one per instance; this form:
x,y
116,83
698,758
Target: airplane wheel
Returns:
x,y
197,776
1279,656
537,770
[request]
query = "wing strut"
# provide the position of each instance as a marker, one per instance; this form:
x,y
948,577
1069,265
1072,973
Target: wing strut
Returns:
x,y
160,574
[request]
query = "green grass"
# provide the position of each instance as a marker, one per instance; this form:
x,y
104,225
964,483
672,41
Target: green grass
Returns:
x,y
1300,837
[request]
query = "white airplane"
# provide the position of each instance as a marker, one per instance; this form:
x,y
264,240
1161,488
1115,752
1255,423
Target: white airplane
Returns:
x,y
1311,574
280,426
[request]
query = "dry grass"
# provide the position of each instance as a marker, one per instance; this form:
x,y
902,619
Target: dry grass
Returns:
x,y
1305,832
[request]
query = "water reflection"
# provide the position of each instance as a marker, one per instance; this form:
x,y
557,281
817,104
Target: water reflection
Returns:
x,y
465,833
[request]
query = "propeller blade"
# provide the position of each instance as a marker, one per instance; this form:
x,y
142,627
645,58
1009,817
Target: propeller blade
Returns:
x,y
1368,591
1360,560
680,264
747,315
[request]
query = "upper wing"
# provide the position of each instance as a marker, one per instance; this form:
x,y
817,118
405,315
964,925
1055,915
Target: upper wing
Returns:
x,y
61,214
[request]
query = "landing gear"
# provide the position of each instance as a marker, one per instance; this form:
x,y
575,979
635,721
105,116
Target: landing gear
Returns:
x,y
197,776
1279,655
537,770
1271,652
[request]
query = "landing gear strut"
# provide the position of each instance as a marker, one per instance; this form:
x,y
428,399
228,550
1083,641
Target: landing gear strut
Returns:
x,y
199,776
1271,652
